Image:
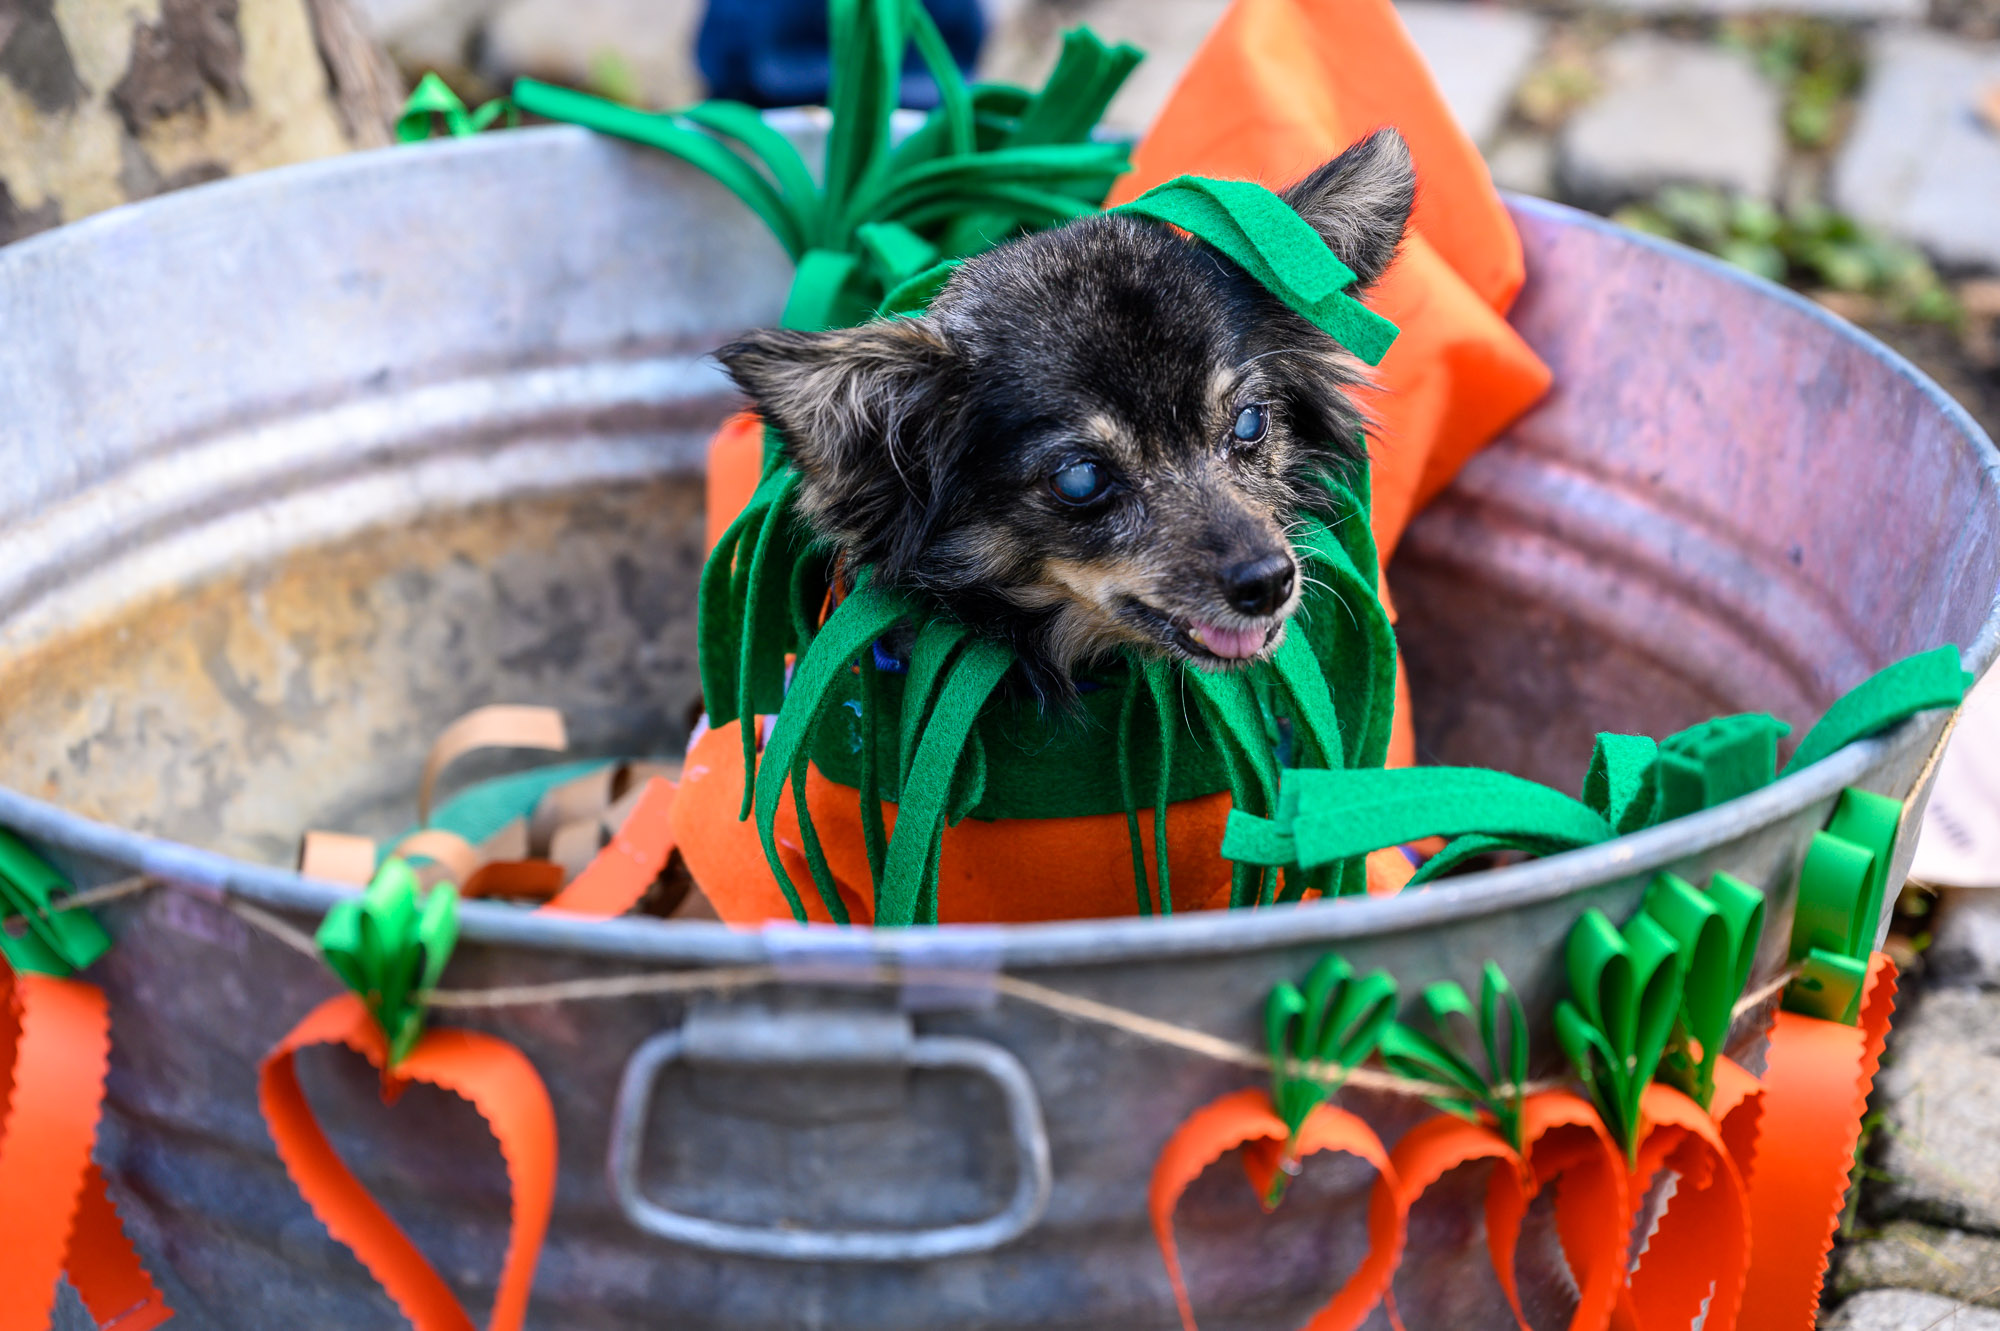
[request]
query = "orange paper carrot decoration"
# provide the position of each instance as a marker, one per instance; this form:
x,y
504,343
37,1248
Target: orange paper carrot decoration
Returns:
x,y
55,1216
1816,1086
1247,1119
1699,1253
498,1081
1567,1148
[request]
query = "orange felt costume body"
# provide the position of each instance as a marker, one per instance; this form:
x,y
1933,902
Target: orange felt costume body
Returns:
x,y
1279,87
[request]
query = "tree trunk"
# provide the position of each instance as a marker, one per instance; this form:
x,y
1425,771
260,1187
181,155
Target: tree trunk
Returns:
x,y
106,101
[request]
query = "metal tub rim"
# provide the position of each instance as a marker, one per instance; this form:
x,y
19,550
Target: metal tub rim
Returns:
x,y
1045,944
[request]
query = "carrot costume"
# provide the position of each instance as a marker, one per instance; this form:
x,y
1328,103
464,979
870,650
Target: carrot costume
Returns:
x,y
1280,86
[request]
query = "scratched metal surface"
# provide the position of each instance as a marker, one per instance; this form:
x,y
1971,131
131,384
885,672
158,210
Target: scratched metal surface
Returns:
x,y
301,466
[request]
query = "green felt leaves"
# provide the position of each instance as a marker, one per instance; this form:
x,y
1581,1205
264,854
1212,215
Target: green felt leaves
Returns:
x,y
1325,816
1716,933
432,106
1625,992
1264,237
390,948
989,162
1445,1057
34,937
1317,1034
1632,783
1842,884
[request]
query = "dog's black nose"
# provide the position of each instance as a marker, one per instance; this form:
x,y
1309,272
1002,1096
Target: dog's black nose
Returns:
x,y
1258,586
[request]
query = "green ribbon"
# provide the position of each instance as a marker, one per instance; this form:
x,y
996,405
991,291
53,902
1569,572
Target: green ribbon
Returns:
x,y
432,102
1625,995
1920,683
1632,783
390,948
1317,1035
1495,1087
1263,235
1842,883
35,937
990,161
1716,933
1325,816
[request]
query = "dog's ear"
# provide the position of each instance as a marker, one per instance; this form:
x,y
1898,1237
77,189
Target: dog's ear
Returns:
x,y
1360,201
857,407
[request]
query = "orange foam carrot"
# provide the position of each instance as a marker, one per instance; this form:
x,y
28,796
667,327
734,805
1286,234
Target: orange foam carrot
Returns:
x,y
1246,1119
489,1073
1816,1086
55,1215
613,882
1699,1253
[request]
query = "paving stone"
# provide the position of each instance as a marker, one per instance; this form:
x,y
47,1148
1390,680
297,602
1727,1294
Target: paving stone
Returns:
x,y
1913,1256
1942,1125
1921,163
1909,1310
1965,940
648,42
1477,54
1673,111
1021,47
1834,9
1524,163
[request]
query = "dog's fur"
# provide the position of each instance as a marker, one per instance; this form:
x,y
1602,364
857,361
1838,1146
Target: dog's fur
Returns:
x,y
927,447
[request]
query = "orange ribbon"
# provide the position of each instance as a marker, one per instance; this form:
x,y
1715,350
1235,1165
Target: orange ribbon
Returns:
x,y
57,1217
613,882
499,1082
493,1075
1246,1118
1567,1147
1816,1085
1699,1253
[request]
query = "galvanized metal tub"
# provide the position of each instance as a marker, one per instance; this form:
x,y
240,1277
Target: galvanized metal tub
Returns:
x,y
299,467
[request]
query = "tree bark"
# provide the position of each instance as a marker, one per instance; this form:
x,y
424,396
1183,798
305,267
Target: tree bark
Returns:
x,y
104,102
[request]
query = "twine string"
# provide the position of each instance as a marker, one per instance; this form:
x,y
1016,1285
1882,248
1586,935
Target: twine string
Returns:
x,y
1154,1030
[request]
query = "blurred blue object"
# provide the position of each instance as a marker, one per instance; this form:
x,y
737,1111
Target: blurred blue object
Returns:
x,y
774,52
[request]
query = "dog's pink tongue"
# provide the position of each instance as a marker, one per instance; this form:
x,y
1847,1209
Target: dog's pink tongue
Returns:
x,y
1230,644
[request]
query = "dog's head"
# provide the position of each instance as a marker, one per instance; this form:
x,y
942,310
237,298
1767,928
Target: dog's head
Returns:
x,y
1099,435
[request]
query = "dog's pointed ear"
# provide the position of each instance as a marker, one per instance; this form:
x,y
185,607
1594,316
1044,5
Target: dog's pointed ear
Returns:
x,y
1360,201
855,407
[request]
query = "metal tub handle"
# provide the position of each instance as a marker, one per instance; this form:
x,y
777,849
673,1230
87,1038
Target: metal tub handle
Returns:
x,y
850,1039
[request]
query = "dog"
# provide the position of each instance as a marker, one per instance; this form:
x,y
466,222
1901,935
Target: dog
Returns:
x,y
1097,437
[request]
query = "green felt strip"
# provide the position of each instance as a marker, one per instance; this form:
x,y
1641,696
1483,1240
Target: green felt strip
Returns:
x,y
1914,684
663,131
1317,1034
33,937
1715,761
391,949
1620,783
1625,994
857,621
1445,1057
1842,884
927,785
1717,934
1264,237
773,151
819,298
1350,813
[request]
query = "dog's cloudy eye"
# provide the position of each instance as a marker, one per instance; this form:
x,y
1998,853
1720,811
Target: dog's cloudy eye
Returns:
x,y
1250,424
1079,482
